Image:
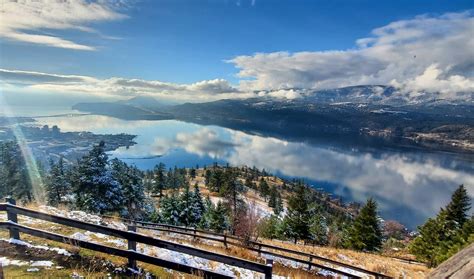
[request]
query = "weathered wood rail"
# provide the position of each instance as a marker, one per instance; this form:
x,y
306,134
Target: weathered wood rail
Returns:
x,y
131,236
262,248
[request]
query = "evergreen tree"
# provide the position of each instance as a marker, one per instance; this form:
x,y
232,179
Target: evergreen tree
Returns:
x,y
279,205
133,192
218,222
270,227
197,207
442,236
96,189
318,229
272,201
14,179
459,206
365,233
57,183
434,234
297,219
159,179
169,210
264,188
208,209
230,190
185,209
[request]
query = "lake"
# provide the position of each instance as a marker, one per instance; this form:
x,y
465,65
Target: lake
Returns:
x,y
410,185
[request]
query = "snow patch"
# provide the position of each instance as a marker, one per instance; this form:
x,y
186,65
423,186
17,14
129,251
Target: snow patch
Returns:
x,y
4,261
60,251
80,236
42,263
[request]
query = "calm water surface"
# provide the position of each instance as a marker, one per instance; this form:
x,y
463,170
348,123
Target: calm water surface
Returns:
x,y
409,185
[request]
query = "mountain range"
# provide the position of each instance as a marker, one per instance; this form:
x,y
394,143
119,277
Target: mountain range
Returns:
x,y
372,111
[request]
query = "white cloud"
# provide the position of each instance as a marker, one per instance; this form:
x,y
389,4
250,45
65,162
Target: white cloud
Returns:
x,y
28,20
122,88
427,53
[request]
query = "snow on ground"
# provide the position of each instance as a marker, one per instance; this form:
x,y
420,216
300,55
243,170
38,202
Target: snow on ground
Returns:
x,y
169,255
197,262
29,245
42,263
80,236
4,261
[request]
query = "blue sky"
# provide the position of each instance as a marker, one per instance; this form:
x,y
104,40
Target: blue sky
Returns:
x,y
184,42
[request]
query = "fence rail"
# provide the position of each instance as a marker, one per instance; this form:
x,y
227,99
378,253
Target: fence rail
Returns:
x,y
132,238
258,247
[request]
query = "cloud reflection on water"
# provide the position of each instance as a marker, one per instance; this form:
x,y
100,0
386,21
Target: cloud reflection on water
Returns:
x,y
409,186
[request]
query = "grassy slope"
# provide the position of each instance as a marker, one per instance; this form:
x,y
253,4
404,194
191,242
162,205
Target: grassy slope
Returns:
x,y
373,262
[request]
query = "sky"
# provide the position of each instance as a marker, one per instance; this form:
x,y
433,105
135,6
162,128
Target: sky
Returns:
x,y
55,52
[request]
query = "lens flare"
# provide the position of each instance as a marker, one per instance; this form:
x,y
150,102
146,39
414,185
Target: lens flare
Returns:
x,y
34,174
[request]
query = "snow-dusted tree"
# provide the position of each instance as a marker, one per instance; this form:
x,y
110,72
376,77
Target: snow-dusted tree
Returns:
x,y
95,188
185,208
206,217
131,182
318,229
169,210
197,207
57,183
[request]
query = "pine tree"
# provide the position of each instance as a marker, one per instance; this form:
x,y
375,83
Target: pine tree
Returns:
x,y
133,192
169,210
279,205
57,183
318,229
365,233
185,209
218,222
433,235
459,206
442,236
272,200
264,188
96,190
297,219
197,207
159,181
14,179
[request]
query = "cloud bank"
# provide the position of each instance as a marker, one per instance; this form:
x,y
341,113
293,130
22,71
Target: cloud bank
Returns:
x,y
121,88
427,53
31,21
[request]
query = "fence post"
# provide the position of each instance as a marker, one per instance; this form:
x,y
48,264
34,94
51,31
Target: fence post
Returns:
x,y
268,274
132,245
194,233
225,240
310,262
12,217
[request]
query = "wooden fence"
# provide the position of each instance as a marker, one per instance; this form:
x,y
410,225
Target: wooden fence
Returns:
x,y
131,236
262,248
